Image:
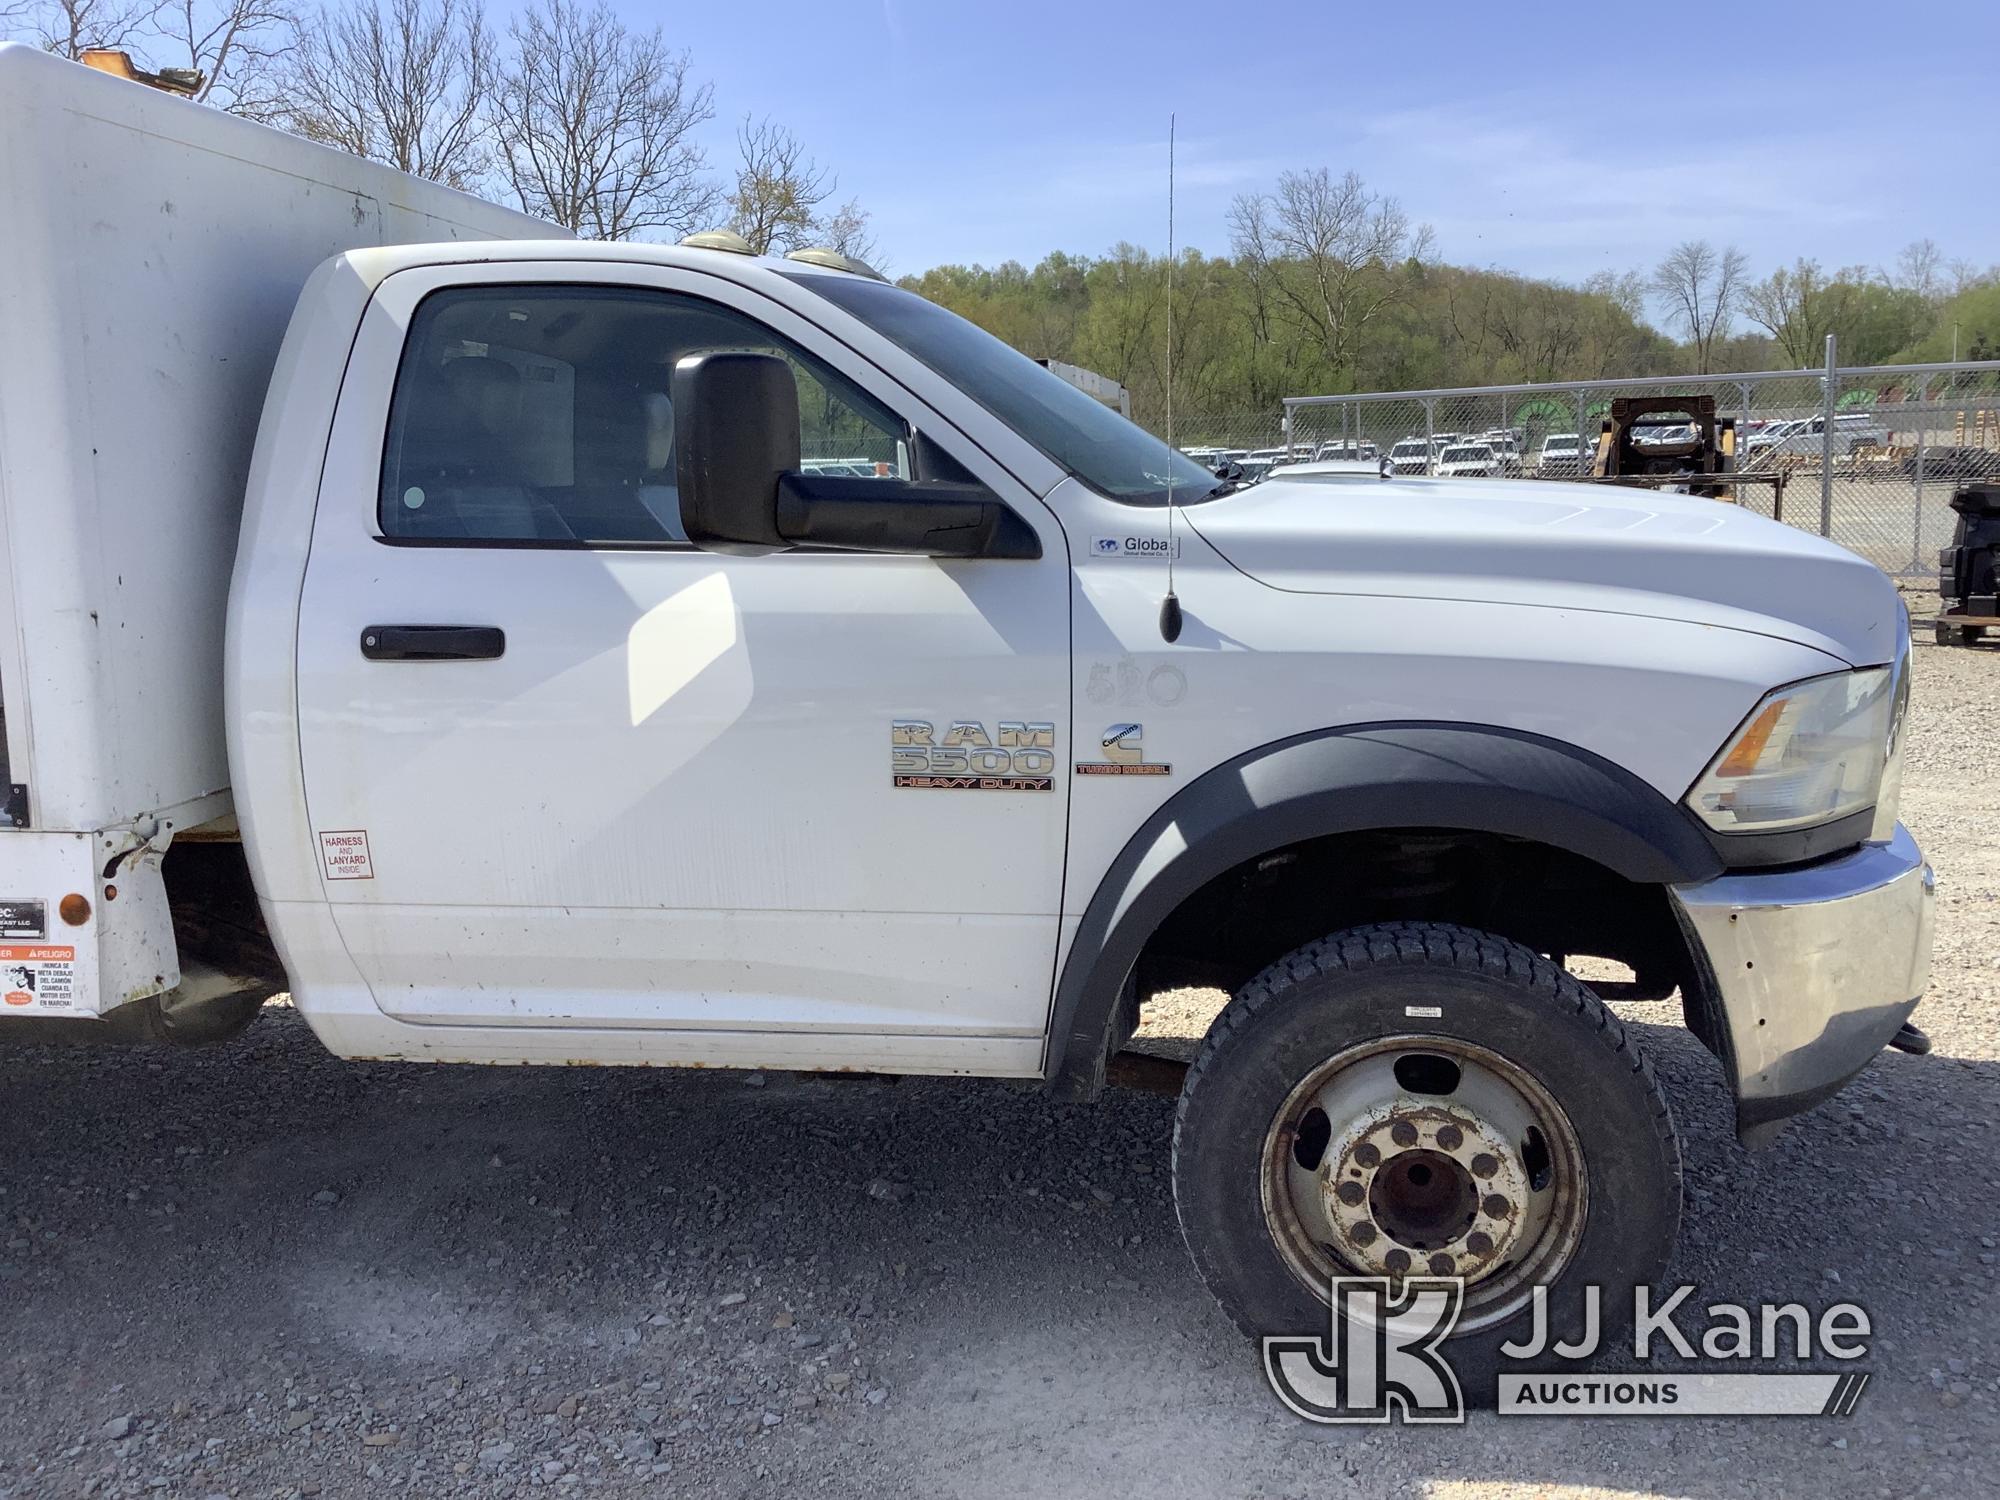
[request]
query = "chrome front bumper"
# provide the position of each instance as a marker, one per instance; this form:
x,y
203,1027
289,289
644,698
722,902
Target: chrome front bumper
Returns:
x,y
1813,970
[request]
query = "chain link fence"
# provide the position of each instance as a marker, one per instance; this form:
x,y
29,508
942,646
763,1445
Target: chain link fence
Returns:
x,y
1867,455
1234,432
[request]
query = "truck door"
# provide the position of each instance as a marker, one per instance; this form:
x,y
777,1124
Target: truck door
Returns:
x,y
566,771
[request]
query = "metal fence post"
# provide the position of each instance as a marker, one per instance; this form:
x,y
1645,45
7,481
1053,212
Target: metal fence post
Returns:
x,y
1826,444
1923,431
1430,426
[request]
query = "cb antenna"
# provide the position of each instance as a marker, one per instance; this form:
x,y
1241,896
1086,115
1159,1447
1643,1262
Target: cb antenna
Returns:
x,y
1170,607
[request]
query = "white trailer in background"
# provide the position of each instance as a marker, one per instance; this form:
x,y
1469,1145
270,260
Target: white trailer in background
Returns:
x,y
1097,387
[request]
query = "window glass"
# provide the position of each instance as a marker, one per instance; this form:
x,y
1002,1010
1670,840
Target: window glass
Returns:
x,y
1086,438
545,414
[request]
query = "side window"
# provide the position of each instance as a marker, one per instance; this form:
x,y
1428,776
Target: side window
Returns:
x,y
544,415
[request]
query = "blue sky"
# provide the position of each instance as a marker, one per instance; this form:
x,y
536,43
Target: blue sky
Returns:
x,y
984,132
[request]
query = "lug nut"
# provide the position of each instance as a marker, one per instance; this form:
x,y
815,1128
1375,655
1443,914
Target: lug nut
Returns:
x,y
1366,1155
1450,1137
1496,1207
1397,1261
1362,1233
1403,1133
1484,1164
1350,1193
1442,1265
1479,1242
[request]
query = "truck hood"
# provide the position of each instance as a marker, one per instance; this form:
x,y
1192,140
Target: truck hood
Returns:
x,y
1585,547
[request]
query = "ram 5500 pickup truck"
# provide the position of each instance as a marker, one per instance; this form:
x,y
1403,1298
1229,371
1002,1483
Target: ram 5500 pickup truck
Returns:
x,y
663,655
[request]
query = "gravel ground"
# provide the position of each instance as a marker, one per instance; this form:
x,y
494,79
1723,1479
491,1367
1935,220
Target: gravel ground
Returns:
x,y
257,1271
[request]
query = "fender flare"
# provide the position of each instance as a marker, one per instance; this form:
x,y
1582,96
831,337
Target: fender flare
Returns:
x,y
1475,778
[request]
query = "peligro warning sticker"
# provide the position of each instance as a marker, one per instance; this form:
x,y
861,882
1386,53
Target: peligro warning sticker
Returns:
x,y
343,854
42,975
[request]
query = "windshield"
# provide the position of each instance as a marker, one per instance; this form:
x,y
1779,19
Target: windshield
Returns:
x,y
1409,448
1088,439
1466,455
1557,444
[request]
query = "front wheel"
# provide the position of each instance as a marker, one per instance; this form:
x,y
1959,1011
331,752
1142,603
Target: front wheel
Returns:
x,y
1417,1099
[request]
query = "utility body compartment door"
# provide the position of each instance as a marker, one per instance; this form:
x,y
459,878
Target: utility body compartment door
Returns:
x,y
566,771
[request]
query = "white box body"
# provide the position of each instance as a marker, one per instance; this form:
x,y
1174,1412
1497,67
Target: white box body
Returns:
x,y
153,250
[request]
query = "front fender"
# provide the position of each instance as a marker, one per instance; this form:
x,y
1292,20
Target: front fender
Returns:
x,y
1471,778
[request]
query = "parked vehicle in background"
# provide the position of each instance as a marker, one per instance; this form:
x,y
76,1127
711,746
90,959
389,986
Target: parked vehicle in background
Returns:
x,y
1802,437
1560,456
1769,435
1469,461
1506,450
847,468
1333,471
1852,430
1354,452
1411,456
1215,460
1253,467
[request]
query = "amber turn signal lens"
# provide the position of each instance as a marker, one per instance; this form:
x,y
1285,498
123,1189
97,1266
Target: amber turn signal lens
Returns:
x,y
74,909
1749,747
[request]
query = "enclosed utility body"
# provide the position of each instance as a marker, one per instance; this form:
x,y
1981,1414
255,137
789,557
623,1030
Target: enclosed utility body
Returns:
x,y
155,251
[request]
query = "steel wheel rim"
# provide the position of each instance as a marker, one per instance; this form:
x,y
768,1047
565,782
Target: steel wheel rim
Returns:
x,y
1474,1172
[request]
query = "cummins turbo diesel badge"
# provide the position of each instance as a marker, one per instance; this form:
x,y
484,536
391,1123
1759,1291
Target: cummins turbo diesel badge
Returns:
x,y
1124,755
1021,757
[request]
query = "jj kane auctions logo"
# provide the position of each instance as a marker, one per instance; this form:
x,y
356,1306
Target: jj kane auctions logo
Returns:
x,y
1384,1354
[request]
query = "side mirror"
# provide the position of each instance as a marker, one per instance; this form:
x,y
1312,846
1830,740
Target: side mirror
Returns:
x,y
744,490
736,417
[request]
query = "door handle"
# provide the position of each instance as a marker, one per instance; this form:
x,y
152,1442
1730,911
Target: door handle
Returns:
x,y
433,642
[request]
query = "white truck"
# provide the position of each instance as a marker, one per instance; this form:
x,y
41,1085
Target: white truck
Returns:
x,y
511,691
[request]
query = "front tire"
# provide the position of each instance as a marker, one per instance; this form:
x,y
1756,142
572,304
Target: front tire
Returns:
x,y
1422,1099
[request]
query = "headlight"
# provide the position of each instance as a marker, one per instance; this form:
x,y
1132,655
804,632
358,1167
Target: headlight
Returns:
x,y
1809,753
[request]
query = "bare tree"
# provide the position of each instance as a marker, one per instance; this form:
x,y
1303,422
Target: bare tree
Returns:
x,y
1796,307
596,124
239,47
1962,275
407,85
1625,290
846,230
1331,254
1920,269
775,203
1700,286
69,28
